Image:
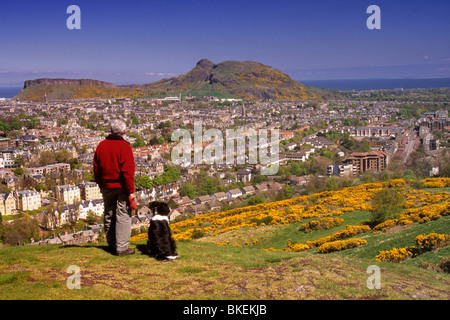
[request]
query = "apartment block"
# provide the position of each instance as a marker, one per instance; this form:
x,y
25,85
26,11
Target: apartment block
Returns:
x,y
373,161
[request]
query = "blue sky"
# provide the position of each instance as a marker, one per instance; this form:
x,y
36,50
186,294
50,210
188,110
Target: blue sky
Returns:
x,y
141,41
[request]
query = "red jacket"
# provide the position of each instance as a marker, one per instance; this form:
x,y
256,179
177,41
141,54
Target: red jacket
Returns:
x,y
114,164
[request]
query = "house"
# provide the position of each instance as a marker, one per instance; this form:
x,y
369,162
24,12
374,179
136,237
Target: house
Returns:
x,y
244,175
219,196
203,199
28,200
197,209
213,205
39,178
96,206
290,146
174,214
182,202
261,187
274,186
234,193
248,190
227,181
7,204
67,193
89,191
298,180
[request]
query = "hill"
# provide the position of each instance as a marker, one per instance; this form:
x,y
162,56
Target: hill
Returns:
x,y
228,79
259,252
247,79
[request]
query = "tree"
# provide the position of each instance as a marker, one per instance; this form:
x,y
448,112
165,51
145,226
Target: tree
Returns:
x,y
385,203
187,189
139,143
91,217
171,174
21,231
332,184
157,181
143,182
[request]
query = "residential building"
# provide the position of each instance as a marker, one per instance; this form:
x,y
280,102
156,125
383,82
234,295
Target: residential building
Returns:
x,y
219,196
234,193
197,209
373,161
97,206
248,190
90,191
67,193
203,199
342,170
7,204
244,175
27,200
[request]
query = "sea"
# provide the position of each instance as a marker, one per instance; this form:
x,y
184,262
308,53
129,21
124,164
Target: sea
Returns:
x,y
378,84
341,85
9,92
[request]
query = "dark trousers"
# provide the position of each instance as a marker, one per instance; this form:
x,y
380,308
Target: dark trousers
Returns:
x,y
117,219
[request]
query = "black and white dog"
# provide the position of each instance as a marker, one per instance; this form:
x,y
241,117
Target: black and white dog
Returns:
x,y
160,243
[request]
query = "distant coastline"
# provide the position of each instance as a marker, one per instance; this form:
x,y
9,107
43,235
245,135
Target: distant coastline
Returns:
x,y
9,92
341,85
377,84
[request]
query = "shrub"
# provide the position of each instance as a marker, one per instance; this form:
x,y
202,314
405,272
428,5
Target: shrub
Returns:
x,y
396,254
324,223
444,265
340,245
385,202
432,240
348,232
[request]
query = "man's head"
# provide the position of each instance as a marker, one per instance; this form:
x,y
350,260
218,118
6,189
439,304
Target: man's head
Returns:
x,y
118,127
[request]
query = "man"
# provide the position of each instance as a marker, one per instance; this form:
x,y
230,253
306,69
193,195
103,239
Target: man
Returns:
x,y
114,173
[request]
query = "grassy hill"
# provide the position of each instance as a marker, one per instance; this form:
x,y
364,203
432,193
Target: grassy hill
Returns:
x,y
238,79
228,79
245,253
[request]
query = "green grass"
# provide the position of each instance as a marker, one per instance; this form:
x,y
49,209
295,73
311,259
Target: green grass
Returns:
x,y
206,270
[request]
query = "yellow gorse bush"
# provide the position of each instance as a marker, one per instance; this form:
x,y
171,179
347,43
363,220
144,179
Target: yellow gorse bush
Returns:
x,y
432,240
349,231
424,243
436,182
340,245
324,223
396,254
322,205
421,215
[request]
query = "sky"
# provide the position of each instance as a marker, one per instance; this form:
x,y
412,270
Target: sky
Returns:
x,y
141,41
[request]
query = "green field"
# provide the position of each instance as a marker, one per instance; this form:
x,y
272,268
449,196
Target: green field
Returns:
x,y
209,271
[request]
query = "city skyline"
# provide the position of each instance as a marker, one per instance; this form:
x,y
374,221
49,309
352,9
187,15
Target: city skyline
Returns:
x,y
142,42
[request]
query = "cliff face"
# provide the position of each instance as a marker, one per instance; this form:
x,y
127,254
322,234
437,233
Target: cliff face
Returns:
x,y
69,82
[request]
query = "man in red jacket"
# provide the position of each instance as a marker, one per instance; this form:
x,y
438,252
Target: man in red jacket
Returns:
x,y
114,173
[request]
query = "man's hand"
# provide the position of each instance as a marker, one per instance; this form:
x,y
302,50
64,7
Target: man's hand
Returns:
x,y
132,199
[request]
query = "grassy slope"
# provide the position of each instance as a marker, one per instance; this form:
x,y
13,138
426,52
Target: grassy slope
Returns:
x,y
209,271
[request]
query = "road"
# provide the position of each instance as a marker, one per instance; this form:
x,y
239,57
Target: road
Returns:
x,y
409,146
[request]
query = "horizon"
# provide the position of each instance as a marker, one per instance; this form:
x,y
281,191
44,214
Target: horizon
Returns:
x,y
143,42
